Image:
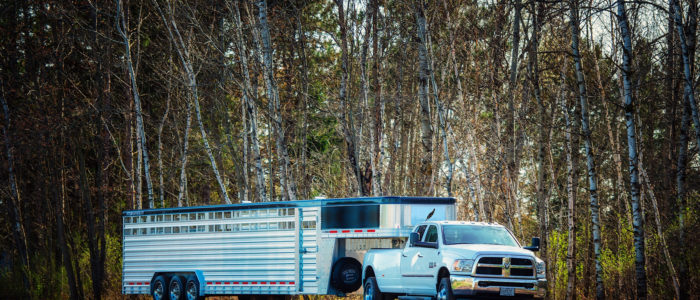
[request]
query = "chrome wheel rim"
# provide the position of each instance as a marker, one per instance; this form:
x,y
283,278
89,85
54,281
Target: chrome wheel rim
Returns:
x,y
369,291
158,290
442,294
191,291
175,291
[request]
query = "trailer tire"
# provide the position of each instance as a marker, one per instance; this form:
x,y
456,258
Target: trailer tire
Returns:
x,y
176,288
192,288
346,275
159,288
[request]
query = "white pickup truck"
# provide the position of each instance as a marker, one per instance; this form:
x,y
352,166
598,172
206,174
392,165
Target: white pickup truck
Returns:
x,y
445,259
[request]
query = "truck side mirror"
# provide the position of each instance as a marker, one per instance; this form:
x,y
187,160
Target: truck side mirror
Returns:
x,y
413,238
535,246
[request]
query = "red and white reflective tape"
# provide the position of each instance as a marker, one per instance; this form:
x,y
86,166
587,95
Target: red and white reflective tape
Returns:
x,y
250,282
352,231
139,283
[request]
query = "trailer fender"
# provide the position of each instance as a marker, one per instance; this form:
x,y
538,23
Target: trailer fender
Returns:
x,y
202,282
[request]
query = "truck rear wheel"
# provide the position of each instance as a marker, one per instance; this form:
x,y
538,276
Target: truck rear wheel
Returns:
x,y
371,290
159,289
444,291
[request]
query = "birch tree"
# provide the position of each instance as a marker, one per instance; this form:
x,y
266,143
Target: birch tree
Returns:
x,y
191,79
249,103
122,29
572,146
689,86
590,162
424,74
687,41
347,119
640,268
286,178
182,193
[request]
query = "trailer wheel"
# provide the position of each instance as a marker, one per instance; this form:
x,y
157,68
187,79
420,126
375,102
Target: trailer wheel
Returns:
x,y
192,288
346,275
159,290
177,288
371,291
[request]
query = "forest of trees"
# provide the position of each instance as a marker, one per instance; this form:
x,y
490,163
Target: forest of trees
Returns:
x,y
576,121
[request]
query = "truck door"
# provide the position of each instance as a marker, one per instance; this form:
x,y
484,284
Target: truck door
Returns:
x,y
428,263
411,258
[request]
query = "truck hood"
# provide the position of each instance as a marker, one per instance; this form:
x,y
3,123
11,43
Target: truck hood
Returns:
x,y
472,250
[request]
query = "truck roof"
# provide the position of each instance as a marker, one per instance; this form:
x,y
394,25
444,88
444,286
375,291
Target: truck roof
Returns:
x,y
299,203
466,223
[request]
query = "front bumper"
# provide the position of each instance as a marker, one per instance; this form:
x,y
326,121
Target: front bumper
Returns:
x,y
478,286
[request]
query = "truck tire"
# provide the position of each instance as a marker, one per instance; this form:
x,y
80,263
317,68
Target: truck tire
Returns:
x,y
192,288
371,290
346,275
444,291
159,288
176,288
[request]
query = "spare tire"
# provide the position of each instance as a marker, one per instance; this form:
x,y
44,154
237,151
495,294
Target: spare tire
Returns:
x,y
346,275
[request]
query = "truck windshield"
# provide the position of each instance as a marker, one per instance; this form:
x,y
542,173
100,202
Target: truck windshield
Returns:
x,y
473,234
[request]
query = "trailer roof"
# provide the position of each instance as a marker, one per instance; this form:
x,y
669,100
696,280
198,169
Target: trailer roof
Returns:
x,y
299,203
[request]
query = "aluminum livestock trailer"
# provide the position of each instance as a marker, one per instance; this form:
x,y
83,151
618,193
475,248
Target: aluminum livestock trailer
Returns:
x,y
271,248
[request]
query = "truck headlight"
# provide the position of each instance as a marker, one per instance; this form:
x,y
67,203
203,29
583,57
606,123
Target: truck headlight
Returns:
x,y
541,269
463,265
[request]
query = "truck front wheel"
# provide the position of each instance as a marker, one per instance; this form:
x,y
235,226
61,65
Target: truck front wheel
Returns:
x,y
444,291
371,290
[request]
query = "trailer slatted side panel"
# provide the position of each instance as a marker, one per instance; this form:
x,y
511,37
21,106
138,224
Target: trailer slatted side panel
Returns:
x,y
252,254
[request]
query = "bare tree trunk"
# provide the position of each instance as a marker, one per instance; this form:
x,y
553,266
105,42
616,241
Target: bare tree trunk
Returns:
x,y
250,106
287,180
537,12
687,41
511,138
426,172
571,187
160,133
657,218
347,120
67,260
378,118
191,79
640,269
183,162
122,29
13,203
592,175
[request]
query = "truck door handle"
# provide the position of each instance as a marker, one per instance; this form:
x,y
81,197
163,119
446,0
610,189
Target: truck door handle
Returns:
x,y
404,255
420,255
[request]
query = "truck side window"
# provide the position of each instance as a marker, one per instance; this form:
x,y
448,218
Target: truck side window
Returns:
x,y
432,235
421,230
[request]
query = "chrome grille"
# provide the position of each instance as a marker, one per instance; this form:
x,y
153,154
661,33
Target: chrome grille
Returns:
x,y
505,266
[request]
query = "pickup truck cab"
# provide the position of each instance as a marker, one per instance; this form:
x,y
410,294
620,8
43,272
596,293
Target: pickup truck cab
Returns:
x,y
444,259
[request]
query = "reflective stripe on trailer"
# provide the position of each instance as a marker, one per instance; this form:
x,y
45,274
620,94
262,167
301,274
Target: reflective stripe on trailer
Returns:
x,y
138,283
250,283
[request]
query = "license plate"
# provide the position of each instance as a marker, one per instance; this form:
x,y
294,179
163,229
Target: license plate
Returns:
x,y
507,291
